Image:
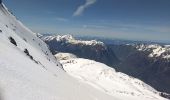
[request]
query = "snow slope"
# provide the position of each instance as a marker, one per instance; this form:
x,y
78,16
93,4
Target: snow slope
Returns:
x,y
21,78
107,79
37,75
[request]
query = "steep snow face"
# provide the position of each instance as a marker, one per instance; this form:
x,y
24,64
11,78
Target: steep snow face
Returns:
x,y
72,40
108,80
28,71
25,39
156,50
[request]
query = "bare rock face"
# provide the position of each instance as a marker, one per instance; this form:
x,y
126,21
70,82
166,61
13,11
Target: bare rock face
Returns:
x,y
0,1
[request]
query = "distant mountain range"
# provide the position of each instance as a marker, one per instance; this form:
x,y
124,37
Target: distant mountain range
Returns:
x,y
92,49
111,40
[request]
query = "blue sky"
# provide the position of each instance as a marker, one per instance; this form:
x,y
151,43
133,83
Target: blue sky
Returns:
x,y
124,19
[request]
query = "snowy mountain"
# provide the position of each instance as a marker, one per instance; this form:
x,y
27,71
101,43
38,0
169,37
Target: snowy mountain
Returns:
x,y
148,62
70,39
157,51
29,71
89,49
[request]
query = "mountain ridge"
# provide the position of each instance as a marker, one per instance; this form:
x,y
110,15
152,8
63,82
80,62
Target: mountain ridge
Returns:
x,y
89,49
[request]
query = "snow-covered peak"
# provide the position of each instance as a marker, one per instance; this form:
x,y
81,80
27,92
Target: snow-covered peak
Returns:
x,y
39,35
142,47
155,50
108,80
72,40
59,37
65,56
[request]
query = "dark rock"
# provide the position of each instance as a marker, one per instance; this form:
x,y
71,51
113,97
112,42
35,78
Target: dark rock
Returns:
x,y
28,54
165,95
25,39
12,41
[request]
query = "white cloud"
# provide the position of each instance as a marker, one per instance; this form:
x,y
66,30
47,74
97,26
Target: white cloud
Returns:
x,y
81,8
61,19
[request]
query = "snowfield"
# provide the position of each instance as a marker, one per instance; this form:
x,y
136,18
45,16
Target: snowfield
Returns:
x,y
28,71
108,80
21,78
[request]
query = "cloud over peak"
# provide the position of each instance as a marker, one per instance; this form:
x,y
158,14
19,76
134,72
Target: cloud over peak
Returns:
x,y
81,8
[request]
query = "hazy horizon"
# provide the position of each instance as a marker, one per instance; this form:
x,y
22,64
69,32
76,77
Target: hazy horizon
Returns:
x,y
146,20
